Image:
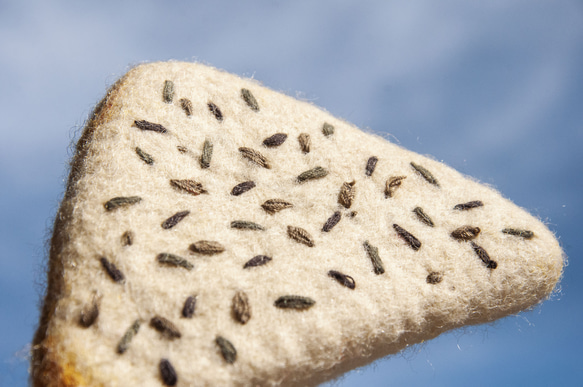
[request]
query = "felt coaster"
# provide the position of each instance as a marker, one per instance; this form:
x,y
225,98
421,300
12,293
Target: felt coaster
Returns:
x,y
217,233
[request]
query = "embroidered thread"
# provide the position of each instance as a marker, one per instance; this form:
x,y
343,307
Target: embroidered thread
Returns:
x,y
272,206
121,201
294,302
168,92
300,235
246,225
314,173
275,140
346,195
342,279
227,349
207,247
174,260
526,234
327,129
174,219
465,233
127,238
168,373
186,105
216,111
468,205
423,217
371,164
483,255
190,186
115,274
249,100
89,313
241,307
434,278
428,176
189,307
373,254
126,339
207,154
392,184
165,327
407,237
258,260
305,142
332,221
146,125
255,157
146,158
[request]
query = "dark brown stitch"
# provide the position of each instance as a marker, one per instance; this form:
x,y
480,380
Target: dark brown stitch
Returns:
x,y
168,93
115,274
189,307
468,205
373,254
258,260
242,188
276,140
190,186
207,247
168,373
343,279
371,164
327,129
423,217
241,307
352,214
227,349
124,343
314,173
428,176
174,219
127,238
332,221
165,327
174,260
346,194
483,255
250,100
186,106
255,156
207,154
246,225
146,125
407,237
146,158
272,206
182,149
121,201
216,111
434,278
294,302
89,313
392,184
305,142
300,235
526,234
465,233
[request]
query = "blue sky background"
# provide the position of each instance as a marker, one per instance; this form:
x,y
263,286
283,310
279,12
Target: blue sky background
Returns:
x,y
494,89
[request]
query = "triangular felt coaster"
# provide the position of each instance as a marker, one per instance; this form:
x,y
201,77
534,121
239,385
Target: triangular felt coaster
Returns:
x,y
217,233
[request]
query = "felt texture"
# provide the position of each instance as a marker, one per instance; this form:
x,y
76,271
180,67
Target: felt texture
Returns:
x,y
215,232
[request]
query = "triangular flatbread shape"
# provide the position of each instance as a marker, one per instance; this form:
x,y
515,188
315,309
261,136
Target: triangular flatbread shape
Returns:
x,y
217,233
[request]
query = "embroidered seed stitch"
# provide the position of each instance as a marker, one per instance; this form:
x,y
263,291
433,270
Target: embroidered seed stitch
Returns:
x,y
146,125
121,201
272,206
181,149
343,279
300,235
346,194
246,225
216,111
190,186
127,238
174,219
241,307
332,221
165,327
89,313
189,307
126,339
371,164
115,274
207,247
465,233
146,158
425,174
408,237
526,234
305,142
314,173
483,255
275,140
227,349
168,93
434,278
373,254
174,260
423,217
327,129
207,154
255,156
258,260
392,184
242,188
168,373
294,302
352,214
468,205
250,100
186,106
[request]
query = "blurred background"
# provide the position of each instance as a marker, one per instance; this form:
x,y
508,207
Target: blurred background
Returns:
x,y
494,89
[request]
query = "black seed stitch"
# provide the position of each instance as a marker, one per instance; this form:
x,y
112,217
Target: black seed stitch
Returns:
x,y
526,234
146,158
207,154
242,188
373,254
174,219
249,100
165,327
408,237
127,238
227,349
150,126
275,140
168,373
327,129
174,260
332,221
216,111
434,278
483,255
468,205
124,343
189,307
342,279
423,217
371,164
186,106
115,274
168,92
258,260
121,201
246,225
89,313
428,176
465,233
314,173
294,302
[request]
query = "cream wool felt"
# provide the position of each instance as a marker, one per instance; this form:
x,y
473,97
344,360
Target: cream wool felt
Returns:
x,y
217,233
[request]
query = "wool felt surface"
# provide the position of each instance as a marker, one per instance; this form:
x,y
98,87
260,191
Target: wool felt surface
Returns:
x,y
215,232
